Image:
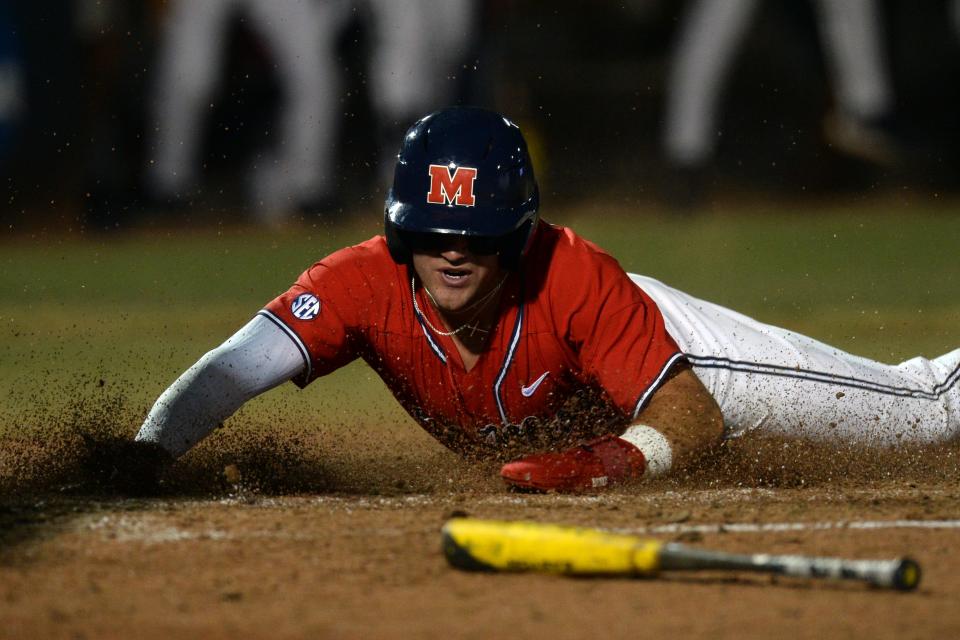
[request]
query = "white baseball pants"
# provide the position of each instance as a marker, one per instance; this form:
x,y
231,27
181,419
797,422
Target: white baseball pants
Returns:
x,y
775,381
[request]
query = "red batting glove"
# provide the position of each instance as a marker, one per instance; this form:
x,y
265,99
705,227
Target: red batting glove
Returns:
x,y
598,463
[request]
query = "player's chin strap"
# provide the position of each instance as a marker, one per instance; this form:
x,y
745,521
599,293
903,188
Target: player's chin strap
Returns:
x,y
479,305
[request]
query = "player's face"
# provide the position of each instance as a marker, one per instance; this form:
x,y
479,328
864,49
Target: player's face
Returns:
x,y
456,270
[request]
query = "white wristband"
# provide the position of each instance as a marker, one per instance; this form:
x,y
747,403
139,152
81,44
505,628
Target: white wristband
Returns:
x,y
654,446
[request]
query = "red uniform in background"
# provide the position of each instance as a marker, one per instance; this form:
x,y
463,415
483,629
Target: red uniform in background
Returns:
x,y
569,320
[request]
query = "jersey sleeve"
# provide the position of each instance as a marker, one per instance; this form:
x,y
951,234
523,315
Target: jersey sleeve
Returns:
x,y
320,313
618,332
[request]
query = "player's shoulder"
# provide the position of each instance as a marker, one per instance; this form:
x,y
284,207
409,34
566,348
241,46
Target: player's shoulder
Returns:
x,y
373,251
368,261
370,255
563,253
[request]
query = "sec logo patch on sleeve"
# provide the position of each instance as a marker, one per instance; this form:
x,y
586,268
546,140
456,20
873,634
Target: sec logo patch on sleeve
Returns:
x,y
305,307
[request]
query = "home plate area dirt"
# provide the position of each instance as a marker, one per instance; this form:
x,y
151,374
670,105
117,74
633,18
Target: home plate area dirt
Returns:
x,y
280,536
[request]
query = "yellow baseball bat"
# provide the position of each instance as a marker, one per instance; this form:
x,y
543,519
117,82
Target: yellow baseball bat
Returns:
x,y
493,545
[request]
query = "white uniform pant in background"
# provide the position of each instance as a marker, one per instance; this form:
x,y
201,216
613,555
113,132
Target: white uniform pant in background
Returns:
x,y
417,49
300,36
418,45
709,39
778,382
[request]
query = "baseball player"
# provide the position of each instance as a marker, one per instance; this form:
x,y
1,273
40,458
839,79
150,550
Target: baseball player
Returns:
x,y
505,336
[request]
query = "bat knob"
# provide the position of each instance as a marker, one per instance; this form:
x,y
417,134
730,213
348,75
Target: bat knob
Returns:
x,y
906,576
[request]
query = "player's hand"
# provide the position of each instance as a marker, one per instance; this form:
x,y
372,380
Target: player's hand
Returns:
x,y
599,463
128,467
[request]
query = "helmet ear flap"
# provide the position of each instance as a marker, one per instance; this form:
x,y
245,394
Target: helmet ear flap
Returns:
x,y
396,243
515,245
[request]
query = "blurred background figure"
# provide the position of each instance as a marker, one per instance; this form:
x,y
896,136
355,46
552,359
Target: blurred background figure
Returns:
x,y
117,113
414,51
417,51
110,64
709,39
296,171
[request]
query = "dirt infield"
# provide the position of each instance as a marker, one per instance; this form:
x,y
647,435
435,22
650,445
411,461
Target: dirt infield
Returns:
x,y
260,533
317,514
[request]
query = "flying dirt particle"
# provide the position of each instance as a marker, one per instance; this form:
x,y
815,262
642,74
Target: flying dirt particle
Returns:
x,y
231,473
840,394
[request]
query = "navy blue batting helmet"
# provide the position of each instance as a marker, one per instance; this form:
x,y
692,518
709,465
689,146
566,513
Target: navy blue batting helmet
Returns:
x,y
463,171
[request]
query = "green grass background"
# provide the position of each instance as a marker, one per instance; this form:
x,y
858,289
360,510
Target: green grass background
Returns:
x,y
134,310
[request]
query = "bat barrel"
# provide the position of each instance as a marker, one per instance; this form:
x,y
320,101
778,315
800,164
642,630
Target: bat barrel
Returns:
x,y
481,545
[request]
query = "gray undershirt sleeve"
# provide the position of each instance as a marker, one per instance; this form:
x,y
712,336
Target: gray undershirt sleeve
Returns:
x,y
257,358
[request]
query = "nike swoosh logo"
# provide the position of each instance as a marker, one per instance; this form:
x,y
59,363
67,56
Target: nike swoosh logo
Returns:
x,y
532,389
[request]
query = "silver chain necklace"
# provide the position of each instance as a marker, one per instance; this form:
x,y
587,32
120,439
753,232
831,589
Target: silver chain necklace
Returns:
x,y
481,303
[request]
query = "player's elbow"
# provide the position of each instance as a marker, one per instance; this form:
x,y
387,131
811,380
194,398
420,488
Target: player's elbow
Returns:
x,y
712,419
687,414
705,420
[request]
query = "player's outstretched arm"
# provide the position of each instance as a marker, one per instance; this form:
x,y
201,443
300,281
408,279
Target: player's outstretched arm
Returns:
x,y
680,423
258,357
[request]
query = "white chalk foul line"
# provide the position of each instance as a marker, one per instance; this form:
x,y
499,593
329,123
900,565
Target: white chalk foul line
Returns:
x,y
777,527
131,528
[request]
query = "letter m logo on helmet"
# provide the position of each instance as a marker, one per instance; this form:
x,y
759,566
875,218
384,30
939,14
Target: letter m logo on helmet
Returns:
x,y
454,187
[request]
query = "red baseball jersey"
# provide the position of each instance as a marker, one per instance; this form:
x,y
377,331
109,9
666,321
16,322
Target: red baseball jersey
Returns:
x,y
570,319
